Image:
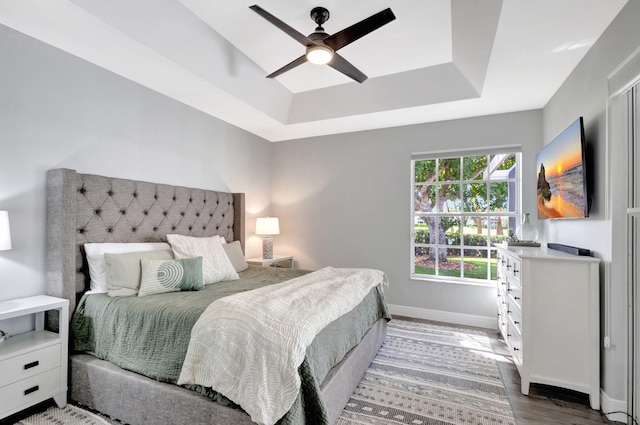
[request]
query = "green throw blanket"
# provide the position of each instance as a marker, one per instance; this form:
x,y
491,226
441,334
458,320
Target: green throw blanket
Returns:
x,y
150,335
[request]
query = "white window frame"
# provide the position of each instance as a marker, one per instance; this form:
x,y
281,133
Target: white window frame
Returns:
x,y
462,214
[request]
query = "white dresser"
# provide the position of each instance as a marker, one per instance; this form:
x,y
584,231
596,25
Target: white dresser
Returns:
x,y
33,365
549,316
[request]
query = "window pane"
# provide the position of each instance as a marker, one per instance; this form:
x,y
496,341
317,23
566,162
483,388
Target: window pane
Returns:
x,y
449,197
476,265
425,170
499,197
508,163
476,235
474,167
475,197
421,234
449,264
425,198
493,261
448,169
423,261
501,230
452,230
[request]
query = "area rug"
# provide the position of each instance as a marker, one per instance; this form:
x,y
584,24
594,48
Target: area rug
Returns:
x,y
69,415
428,374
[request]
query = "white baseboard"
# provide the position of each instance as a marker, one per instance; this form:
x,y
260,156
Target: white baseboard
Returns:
x,y
444,316
607,404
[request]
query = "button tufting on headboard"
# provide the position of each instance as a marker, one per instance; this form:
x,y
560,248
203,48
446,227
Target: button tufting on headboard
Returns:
x,y
103,209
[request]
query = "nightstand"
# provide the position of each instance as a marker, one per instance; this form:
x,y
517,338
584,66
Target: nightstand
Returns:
x,y
285,261
33,365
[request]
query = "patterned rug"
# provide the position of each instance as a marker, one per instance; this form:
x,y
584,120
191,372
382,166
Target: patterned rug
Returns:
x,y
70,415
428,374
424,374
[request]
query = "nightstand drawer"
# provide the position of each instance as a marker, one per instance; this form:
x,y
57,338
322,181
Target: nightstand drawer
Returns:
x,y
30,391
29,364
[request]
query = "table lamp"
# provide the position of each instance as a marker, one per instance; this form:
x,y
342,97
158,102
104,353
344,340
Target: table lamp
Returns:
x,y
5,232
267,227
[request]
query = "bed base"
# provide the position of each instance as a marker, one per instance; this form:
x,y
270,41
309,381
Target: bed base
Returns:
x,y
138,400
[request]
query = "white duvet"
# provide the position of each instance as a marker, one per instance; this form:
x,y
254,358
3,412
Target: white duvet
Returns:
x,y
249,346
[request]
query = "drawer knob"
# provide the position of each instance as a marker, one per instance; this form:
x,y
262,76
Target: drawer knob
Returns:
x,y
31,390
32,364
516,298
508,266
515,322
516,349
515,271
509,311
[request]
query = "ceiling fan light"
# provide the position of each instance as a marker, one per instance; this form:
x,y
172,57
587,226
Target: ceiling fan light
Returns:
x,y
319,54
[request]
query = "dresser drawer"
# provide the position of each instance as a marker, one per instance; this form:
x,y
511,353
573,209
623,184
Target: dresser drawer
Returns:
x,y
29,391
513,267
29,364
514,294
515,315
514,341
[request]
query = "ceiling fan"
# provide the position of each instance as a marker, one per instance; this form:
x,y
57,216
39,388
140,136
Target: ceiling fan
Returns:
x,y
322,47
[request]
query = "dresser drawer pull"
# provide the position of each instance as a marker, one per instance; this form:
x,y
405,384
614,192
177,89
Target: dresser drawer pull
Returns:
x,y
32,364
515,271
509,266
31,390
516,298
516,349
515,322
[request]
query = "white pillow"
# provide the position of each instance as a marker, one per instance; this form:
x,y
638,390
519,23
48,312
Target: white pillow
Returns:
x,y
216,266
97,265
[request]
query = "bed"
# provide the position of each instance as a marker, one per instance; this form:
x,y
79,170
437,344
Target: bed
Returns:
x,y
85,208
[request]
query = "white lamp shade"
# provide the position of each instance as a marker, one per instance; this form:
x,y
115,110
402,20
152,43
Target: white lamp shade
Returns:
x,y
5,232
267,226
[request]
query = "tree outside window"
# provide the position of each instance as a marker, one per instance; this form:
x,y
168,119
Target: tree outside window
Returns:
x,y
462,206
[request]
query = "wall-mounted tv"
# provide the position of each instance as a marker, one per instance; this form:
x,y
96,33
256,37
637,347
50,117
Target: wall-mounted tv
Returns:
x,y
562,183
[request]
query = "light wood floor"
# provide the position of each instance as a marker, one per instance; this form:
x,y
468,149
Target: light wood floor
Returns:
x,y
544,405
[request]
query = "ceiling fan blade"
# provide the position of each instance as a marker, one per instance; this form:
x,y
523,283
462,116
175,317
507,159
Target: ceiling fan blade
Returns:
x,y
299,37
350,34
302,59
341,64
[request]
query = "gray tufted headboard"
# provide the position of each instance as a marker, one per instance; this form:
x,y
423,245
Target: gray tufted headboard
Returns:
x,y
84,208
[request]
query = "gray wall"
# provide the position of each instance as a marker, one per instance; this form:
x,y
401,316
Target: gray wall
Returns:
x,y
345,200
585,93
59,111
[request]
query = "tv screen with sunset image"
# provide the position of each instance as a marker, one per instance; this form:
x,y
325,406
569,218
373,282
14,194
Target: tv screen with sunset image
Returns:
x,y
561,175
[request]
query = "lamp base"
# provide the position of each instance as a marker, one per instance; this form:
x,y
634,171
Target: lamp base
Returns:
x,y
267,247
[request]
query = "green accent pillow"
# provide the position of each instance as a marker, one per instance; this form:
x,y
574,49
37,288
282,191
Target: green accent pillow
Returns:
x,y
124,273
160,276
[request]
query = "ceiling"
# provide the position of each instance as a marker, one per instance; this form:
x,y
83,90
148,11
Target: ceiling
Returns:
x,y
439,60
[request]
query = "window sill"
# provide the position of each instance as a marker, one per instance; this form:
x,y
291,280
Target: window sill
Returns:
x,y
454,281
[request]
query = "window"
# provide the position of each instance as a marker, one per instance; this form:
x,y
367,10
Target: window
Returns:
x,y
462,205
